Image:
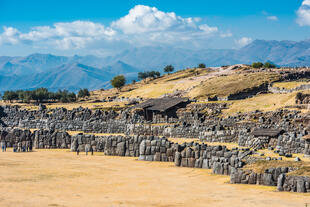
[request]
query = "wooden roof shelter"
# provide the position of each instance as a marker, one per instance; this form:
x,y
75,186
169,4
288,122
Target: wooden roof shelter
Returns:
x,y
161,104
261,132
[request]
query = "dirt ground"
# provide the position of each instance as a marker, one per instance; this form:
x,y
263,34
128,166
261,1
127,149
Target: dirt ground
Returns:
x,y
61,178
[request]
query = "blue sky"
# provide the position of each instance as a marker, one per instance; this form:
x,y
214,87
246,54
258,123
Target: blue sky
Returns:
x,y
107,27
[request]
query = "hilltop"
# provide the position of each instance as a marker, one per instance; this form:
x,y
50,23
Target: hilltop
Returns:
x,y
241,87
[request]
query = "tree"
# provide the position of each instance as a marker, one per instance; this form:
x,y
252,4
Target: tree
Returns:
x,y
201,65
153,74
83,93
142,75
65,96
148,74
118,81
41,94
9,96
168,69
257,65
269,65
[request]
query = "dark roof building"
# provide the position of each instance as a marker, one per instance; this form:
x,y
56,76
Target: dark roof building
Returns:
x,y
165,106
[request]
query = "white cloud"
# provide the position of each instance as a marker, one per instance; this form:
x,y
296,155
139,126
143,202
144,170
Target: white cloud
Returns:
x,y
9,36
303,14
62,35
143,25
273,18
69,35
243,41
225,35
142,19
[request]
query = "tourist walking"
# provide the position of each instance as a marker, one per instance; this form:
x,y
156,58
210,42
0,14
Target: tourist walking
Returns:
x,y
3,146
30,146
27,146
19,147
86,149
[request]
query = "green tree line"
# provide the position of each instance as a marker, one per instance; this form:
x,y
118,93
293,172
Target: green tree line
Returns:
x,y
41,95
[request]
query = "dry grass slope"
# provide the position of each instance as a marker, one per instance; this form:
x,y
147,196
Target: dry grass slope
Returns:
x,y
263,102
290,85
226,85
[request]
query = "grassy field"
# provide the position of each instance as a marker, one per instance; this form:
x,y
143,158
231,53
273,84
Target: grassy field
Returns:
x,y
193,83
229,145
182,80
262,165
224,85
289,85
70,106
263,102
60,178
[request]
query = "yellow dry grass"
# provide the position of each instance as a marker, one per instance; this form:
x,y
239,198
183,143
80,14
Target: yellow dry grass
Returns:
x,y
61,178
181,80
270,153
289,85
70,106
302,168
263,102
225,85
229,145
89,105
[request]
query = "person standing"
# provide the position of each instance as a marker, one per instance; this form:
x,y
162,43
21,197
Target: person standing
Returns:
x,y
19,147
30,145
27,146
2,145
86,149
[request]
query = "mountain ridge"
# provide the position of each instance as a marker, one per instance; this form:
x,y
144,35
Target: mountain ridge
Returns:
x,y
31,71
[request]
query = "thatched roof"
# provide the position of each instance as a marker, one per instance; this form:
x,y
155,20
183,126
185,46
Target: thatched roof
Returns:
x,y
161,104
266,132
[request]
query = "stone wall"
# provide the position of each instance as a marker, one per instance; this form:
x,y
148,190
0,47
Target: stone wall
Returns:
x,y
273,177
289,142
191,125
269,177
300,184
51,139
285,90
14,136
157,150
218,158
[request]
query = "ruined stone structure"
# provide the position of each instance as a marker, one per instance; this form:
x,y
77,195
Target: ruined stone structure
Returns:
x,y
283,131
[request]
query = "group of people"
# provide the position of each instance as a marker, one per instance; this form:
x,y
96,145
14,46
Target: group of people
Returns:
x,y
87,149
19,147
23,148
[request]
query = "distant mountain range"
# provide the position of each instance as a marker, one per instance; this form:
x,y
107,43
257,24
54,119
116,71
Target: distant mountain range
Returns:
x,y
72,73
